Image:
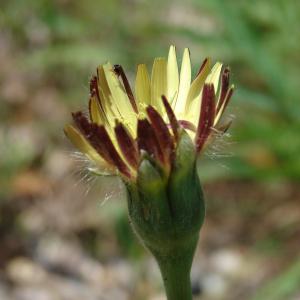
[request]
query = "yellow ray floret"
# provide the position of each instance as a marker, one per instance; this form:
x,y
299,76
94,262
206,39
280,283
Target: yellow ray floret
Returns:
x,y
158,82
172,75
122,124
95,112
142,85
84,147
193,100
214,75
184,83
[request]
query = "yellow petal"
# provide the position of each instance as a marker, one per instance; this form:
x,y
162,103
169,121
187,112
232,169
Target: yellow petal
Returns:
x,y
83,146
193,101
172,75
142,85
214,76
106,98
109,115
184,84
193,111
102,81
158,82
120,102
96,112
220,113
107,109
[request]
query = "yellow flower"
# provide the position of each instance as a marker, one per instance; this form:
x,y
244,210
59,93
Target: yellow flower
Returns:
x,y
123,126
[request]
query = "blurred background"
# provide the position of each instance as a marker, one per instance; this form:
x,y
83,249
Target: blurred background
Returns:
x,y
64,235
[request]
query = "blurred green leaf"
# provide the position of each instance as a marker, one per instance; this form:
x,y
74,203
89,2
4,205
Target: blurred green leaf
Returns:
x,y
283,286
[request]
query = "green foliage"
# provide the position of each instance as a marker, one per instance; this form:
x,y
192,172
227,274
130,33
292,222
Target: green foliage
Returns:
x,y
260,41
283,286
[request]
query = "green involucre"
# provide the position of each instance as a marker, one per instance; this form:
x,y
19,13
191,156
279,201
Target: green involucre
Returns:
x,y
167,214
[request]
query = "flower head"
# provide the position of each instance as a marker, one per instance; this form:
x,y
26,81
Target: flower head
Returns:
x,y
123,127
152,138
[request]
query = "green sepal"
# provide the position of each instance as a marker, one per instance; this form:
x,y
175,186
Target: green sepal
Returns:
x,y
167,212
184,189
148,205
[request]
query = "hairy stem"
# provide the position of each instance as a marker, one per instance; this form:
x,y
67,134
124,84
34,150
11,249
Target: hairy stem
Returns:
x,y
176,277
175,269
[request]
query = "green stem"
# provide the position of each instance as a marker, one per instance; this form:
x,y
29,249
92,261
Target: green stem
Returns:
x,y
176,276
